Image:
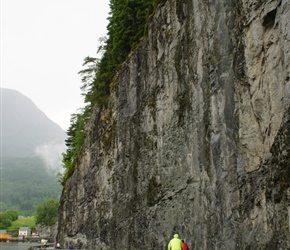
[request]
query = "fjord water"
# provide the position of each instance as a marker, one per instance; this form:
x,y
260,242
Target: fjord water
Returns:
x,y
19,246
15,246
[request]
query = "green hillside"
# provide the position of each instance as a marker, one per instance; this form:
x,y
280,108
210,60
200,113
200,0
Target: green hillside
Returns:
x,y
21,222
25,184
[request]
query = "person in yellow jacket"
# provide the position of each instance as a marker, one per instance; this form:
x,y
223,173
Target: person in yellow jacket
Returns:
x,y
175,243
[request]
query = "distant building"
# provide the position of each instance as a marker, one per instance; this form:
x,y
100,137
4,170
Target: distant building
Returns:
x,y
4,235
24,231
35,234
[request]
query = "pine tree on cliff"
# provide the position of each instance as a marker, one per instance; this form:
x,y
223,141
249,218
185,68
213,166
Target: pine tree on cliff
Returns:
x,y
127,25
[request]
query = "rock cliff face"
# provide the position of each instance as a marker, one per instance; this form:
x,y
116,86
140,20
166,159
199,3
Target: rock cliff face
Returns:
x,y
196,138
47,231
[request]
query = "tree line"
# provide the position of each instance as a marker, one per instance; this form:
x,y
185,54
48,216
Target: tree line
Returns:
x,y
6,218
128,23
46,214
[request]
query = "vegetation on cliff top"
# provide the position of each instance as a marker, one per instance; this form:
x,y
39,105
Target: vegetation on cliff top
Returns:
x,y
127,25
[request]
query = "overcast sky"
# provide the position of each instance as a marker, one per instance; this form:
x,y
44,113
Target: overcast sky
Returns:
x,y
43,44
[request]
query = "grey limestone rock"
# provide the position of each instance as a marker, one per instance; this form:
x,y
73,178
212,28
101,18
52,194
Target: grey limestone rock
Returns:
x,y
196,137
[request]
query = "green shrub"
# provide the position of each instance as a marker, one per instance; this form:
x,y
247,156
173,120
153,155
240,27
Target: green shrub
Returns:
x,y
47,212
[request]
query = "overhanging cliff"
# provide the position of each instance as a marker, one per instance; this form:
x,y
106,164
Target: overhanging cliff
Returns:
x,y
196,137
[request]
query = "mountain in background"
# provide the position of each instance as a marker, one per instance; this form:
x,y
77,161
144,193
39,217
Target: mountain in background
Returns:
x,y
25,127
31,154
25,184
